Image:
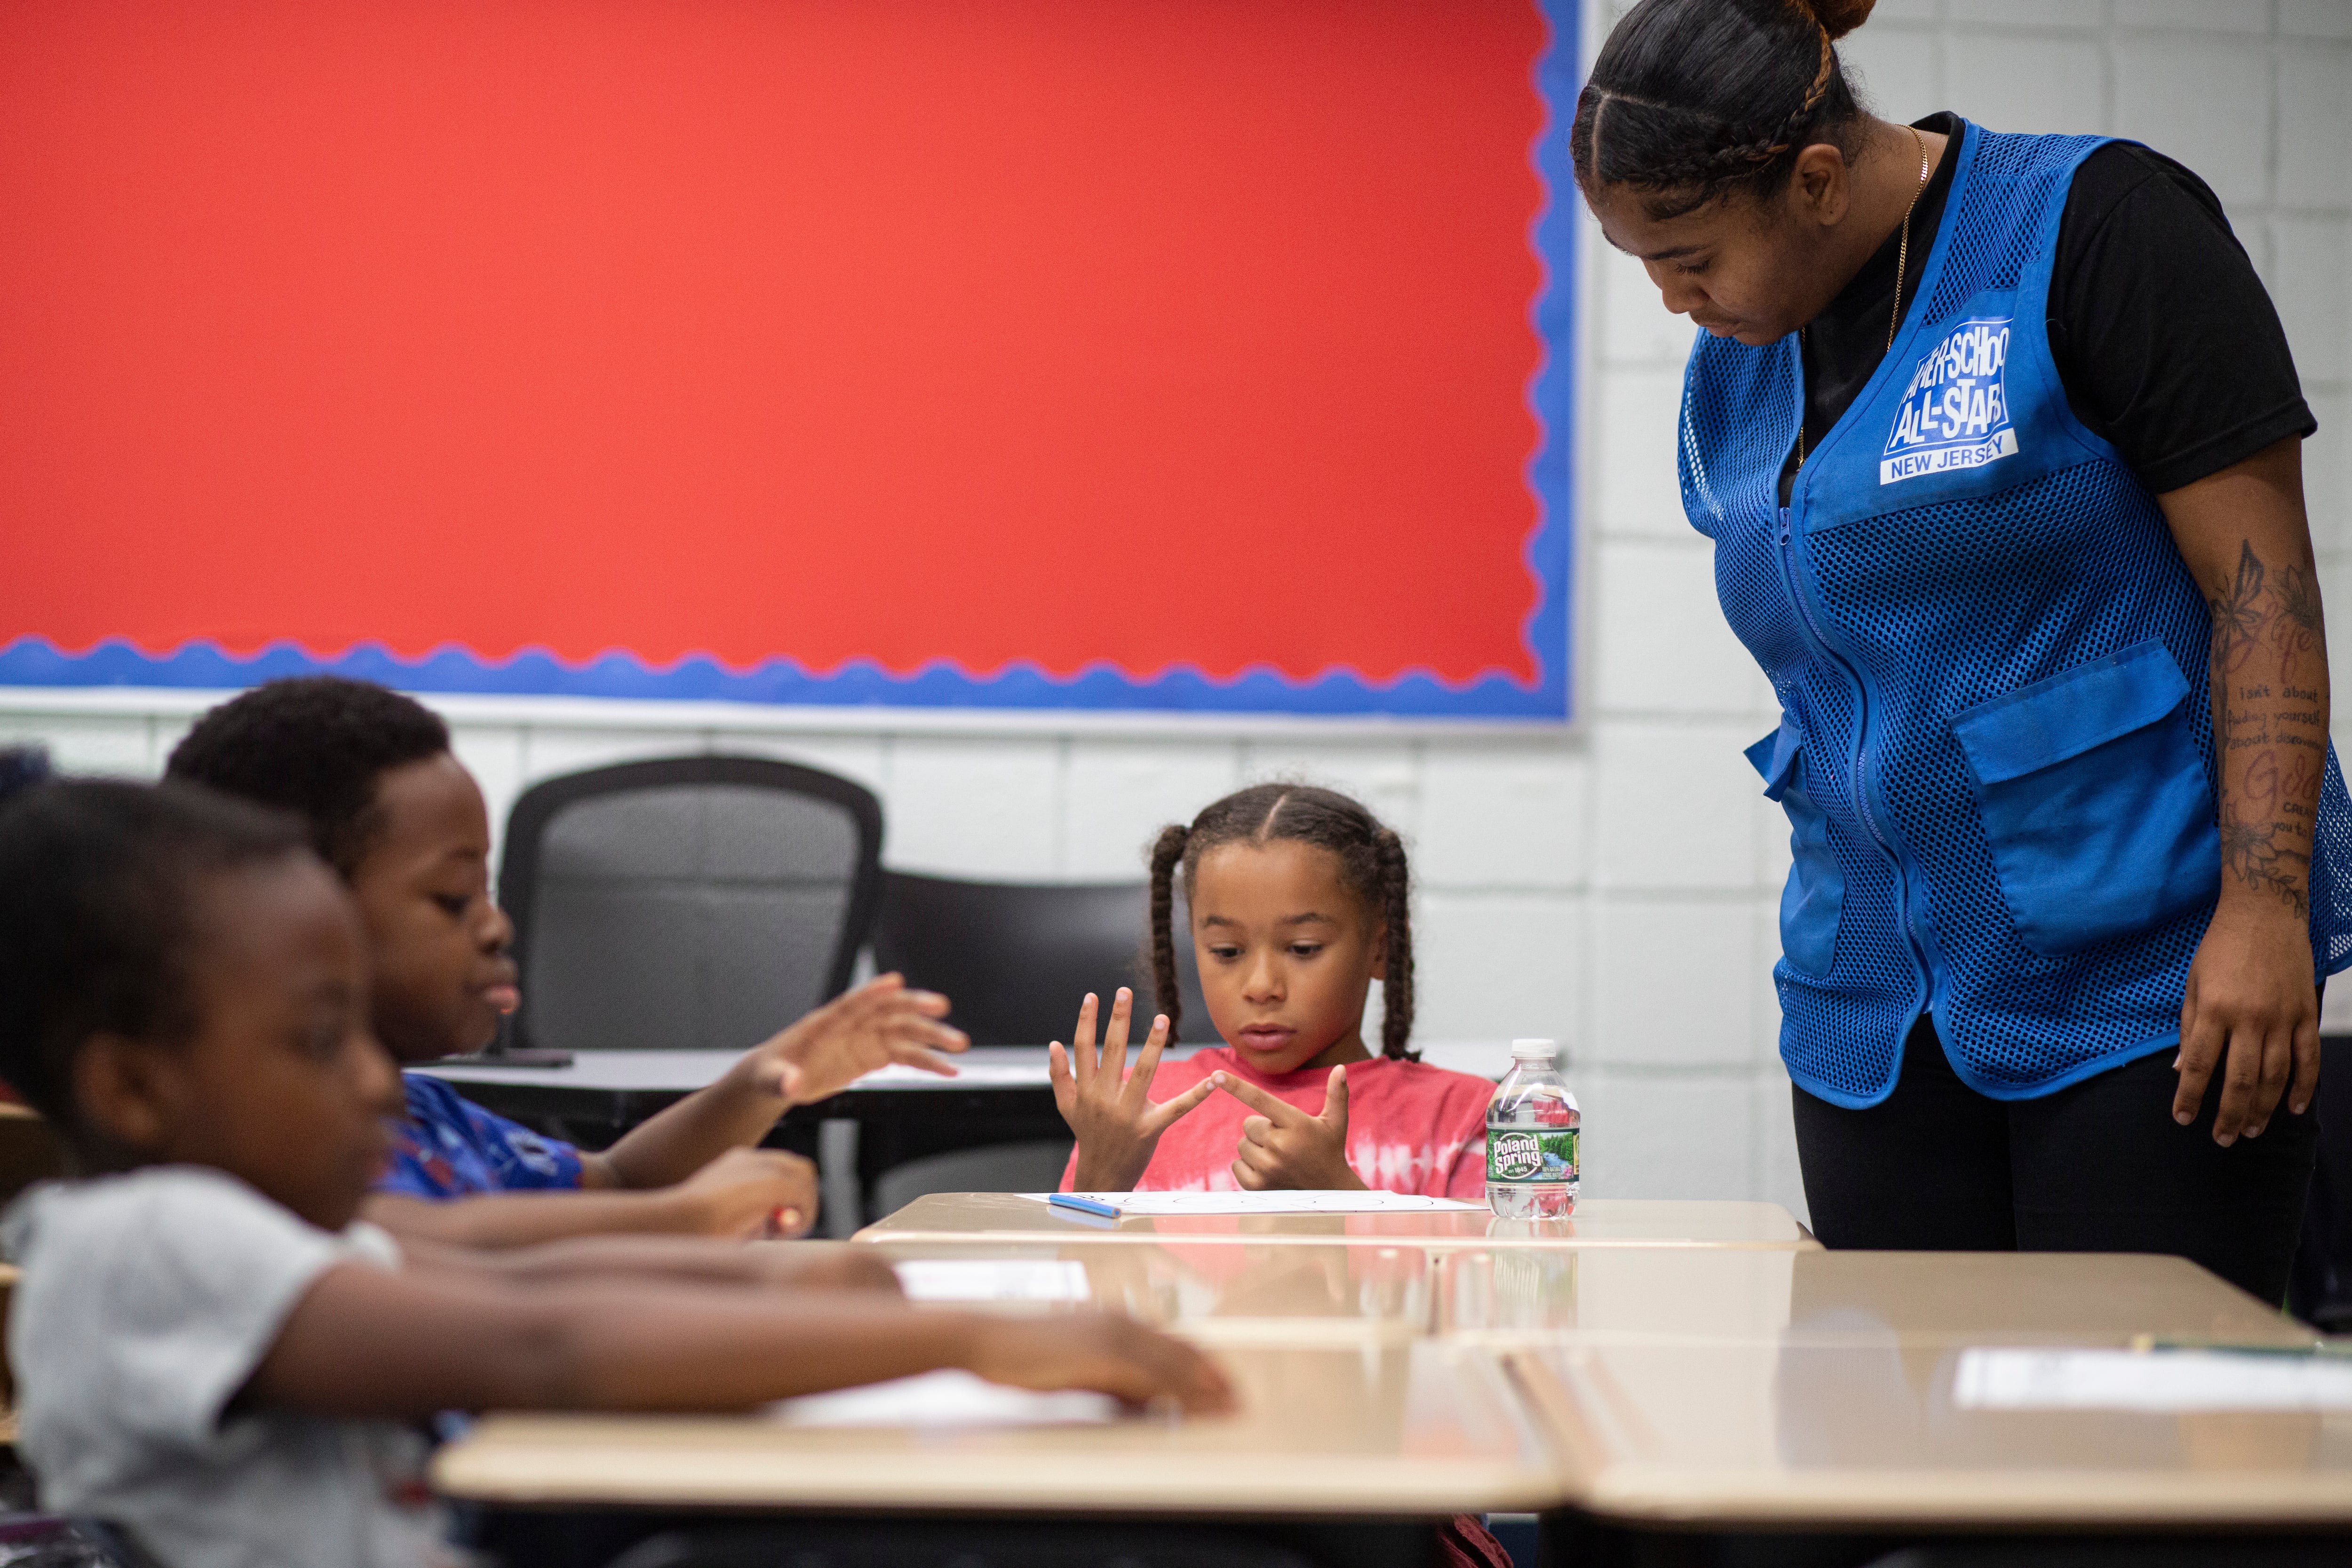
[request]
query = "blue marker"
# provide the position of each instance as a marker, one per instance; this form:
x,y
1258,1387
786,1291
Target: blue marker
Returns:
x,y
1083,1205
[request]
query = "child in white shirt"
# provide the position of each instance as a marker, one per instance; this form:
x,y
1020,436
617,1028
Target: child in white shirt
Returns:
x,y
210,1350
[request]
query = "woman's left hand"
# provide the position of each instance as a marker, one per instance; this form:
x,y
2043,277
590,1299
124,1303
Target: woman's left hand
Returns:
x,y
2250,1008
1282,1146
2253,1012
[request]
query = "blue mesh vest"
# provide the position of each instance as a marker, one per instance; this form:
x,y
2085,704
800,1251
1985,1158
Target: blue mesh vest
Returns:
x,y
1996,742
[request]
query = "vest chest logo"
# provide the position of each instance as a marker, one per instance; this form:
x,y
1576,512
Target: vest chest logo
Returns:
x,y
1954,413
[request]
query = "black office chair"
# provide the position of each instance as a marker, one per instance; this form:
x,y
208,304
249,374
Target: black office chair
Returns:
x,y
51,1540
686,903
1015,957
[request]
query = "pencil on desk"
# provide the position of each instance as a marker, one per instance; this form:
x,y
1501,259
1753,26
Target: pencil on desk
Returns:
x,y
2318,1348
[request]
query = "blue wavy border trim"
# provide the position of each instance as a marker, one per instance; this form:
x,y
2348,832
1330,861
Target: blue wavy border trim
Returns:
x,y
1548,553
33,661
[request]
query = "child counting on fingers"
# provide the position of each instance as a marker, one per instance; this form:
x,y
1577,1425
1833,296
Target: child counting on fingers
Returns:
x,y
1298,904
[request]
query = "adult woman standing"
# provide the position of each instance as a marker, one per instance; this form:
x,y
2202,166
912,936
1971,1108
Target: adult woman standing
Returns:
x,y
1998,438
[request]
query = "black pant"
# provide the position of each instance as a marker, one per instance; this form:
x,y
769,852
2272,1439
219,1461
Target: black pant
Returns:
x,y
2099,1166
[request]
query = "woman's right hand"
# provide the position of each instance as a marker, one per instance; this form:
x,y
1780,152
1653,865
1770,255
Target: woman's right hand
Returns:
x,y
1107,1351
1111,1111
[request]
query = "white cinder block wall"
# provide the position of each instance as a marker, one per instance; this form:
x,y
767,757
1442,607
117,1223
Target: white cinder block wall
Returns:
x,y
1617,886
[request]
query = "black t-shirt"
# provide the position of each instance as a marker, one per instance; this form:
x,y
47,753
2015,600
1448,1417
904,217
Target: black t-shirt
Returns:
x,y
2166,340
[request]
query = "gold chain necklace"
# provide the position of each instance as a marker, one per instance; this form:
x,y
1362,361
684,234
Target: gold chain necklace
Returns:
x,y
1902,265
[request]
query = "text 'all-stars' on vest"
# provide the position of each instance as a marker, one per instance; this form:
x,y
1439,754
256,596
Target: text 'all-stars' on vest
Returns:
x,y
1996,744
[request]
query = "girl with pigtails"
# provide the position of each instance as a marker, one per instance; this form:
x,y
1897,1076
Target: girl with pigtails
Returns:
x,y
1296,900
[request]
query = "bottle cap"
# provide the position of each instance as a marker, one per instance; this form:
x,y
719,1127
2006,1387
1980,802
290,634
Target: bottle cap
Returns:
x,y
1534,1050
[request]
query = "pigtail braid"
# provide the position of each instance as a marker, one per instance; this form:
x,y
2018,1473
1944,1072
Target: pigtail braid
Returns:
x,y
1396,906
1714,156
1167,854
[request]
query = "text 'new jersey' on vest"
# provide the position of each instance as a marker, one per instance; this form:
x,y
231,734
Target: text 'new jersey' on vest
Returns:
x,y
1996,744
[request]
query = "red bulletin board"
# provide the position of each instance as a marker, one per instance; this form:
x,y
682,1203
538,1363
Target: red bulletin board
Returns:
x,y
1039,352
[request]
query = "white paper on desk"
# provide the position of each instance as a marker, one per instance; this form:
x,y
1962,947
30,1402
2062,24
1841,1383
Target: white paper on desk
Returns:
x,y
1292,1202
993,1280
946,1398
968,1075
2157,1380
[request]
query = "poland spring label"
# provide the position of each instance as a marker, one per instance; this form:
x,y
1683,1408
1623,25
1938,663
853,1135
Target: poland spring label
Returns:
x,y
1513,1155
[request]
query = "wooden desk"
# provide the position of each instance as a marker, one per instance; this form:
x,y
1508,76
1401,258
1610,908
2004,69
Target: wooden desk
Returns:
x,y
1399,1432
1272,1292
1002,1095
1846,1436
1670,1390
1755,1296
998,1217
616,1090
1261,1297
1843,1415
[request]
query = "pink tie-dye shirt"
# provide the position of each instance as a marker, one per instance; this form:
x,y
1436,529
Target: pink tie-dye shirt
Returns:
x,y
1411,1128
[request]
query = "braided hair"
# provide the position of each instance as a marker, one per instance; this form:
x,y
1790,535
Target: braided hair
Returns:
x,y
1372,866
1691,100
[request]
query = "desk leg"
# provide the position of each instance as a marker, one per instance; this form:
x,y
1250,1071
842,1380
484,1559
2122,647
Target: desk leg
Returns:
x,y
838,1183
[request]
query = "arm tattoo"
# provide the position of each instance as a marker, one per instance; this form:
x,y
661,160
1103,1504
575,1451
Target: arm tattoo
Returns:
x,y
2272,728
2237,611
2299,597
2254,853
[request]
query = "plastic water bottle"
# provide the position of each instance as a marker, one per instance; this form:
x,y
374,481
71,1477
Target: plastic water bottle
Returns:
x,y
1532,1126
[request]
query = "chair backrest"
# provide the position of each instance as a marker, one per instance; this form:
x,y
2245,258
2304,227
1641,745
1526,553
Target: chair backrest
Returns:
x,y
1033,1165
688,903
1015,957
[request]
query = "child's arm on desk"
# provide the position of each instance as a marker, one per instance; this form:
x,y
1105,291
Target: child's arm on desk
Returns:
x,y
880,1023
679,1259
742,1194
366,1341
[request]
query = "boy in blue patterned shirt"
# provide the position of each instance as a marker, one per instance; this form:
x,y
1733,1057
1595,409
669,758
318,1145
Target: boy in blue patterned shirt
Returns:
x,y
371,774
449,1147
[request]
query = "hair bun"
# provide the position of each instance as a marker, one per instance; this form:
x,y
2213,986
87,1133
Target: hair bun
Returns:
x,y
22,767
1838,18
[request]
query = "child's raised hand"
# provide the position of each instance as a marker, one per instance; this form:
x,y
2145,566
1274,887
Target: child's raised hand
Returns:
x,y
1282,1146
1116,1121
881,1023
1106,1352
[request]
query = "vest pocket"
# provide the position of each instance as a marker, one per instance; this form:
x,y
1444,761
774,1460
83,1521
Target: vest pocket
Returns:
x,y
1815,892
2093,800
